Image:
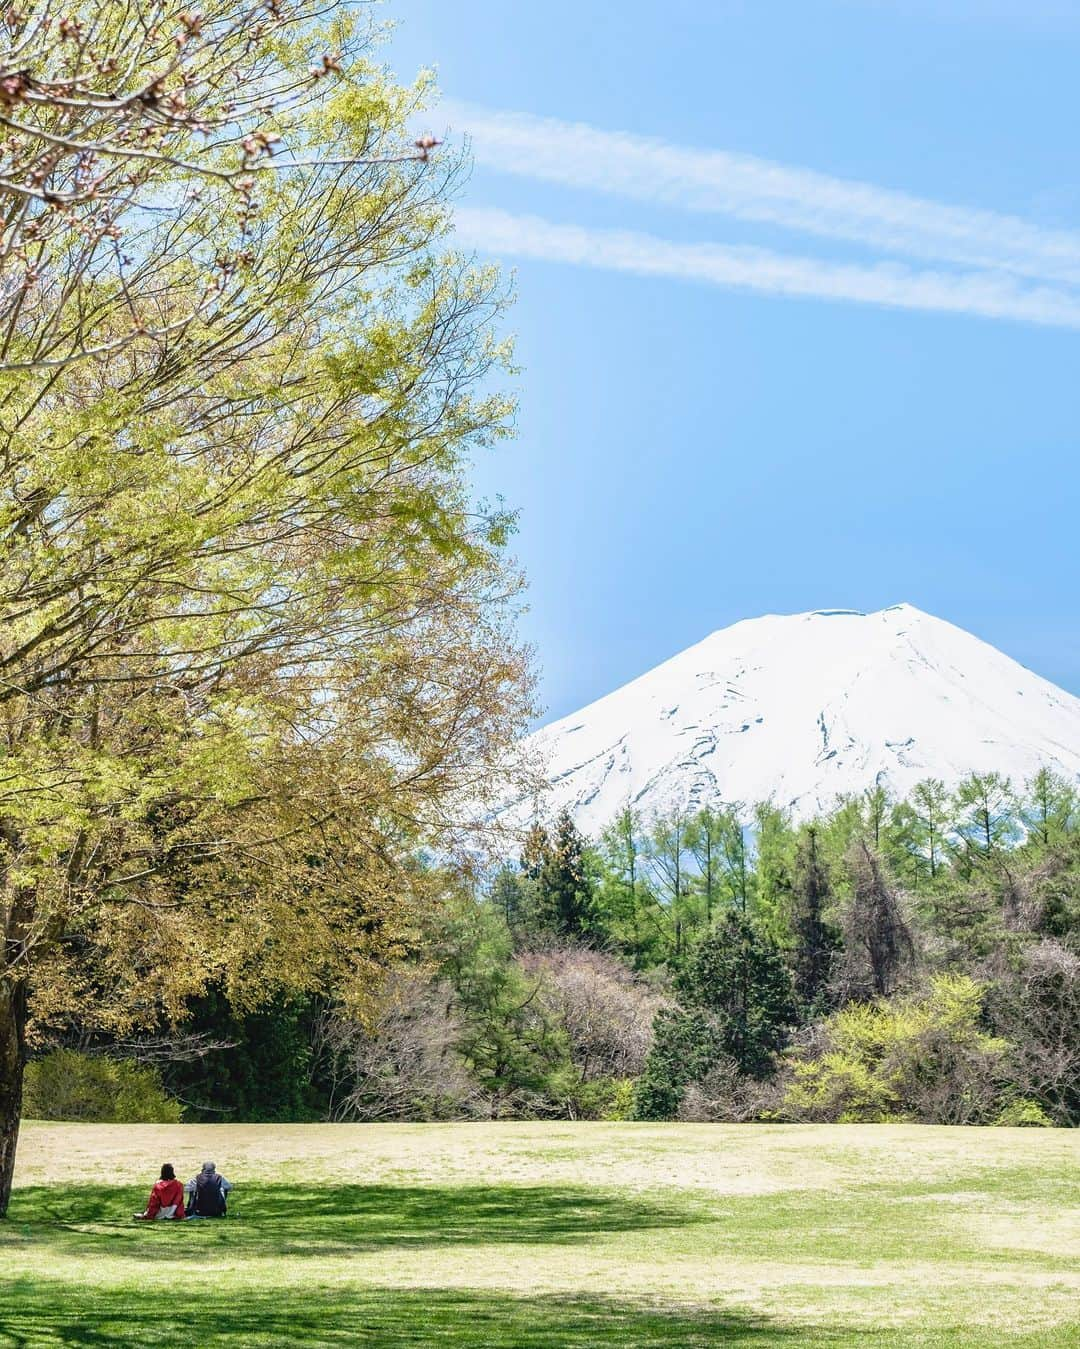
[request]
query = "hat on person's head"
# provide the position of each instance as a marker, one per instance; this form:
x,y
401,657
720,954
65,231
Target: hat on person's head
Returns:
x,y
208,1167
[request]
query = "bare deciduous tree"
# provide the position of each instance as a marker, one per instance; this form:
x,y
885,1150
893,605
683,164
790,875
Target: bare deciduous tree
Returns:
x,y
878,945
606,1011
134,135
1036,1007
401,1061
726,1095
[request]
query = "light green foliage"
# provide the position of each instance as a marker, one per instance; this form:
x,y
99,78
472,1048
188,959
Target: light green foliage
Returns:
x,y
985,819
774,865
725,878
620,1104
668,861
1048,809
705,838
1024,1114
925,1057
897,922
907,848
67,1085
627,907
958,884
255,637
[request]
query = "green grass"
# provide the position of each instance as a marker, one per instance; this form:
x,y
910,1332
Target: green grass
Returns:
x,y
550,1235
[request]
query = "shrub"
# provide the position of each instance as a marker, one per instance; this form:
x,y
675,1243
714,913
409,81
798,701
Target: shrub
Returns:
x,y
1024,1114
925,1058
839,1087
621,1102
568,1095
67,1085
725,1094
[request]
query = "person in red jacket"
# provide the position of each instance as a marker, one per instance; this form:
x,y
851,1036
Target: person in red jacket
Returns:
x,y
166,1198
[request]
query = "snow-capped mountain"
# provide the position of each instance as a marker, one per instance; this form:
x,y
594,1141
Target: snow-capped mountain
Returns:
x,y
802,707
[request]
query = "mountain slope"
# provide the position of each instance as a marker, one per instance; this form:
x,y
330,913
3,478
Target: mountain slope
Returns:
x,y
802,707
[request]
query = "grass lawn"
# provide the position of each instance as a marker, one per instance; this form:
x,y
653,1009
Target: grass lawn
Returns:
x,y
549,1235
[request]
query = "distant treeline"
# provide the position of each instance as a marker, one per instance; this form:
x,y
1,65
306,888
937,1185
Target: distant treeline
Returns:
x,y
889,960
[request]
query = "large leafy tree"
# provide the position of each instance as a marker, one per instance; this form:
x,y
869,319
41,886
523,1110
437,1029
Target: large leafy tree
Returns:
x,y
254,634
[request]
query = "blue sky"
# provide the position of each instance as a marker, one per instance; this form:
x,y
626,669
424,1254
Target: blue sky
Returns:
x,y
798,311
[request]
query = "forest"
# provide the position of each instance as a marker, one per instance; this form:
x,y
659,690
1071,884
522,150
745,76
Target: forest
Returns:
x,y
912,960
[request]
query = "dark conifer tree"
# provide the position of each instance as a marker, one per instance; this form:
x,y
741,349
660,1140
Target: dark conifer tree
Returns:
x,y
735,999
738,974
816,941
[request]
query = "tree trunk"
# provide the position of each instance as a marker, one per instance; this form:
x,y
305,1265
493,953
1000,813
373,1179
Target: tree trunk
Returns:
x,y
12,1066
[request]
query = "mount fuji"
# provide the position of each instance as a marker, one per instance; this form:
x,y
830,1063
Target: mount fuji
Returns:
x,y
801,708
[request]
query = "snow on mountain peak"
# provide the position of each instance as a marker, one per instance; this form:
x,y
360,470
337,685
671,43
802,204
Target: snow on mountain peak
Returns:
x,y
801,708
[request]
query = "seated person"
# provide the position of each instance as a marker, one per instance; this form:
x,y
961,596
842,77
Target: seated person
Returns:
x,y
206,1193
166,1198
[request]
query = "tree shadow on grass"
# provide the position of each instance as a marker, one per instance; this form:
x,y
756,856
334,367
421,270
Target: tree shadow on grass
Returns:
x,y
42,1316
277,1220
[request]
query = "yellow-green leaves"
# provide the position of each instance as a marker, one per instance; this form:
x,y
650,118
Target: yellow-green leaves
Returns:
x,y
253,633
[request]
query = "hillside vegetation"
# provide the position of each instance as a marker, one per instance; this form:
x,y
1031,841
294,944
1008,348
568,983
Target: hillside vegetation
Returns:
x,y
892,961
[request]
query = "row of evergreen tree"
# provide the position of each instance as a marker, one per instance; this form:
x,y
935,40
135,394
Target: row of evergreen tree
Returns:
x,y
649,886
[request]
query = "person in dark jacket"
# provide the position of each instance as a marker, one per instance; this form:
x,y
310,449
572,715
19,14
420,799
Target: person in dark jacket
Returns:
x,y
207,1193
166,1198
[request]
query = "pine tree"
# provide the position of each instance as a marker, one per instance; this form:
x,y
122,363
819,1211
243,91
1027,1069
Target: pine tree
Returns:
x,y
985,820
738,975
623,906
736,857
774,871
1049,808
735,999
930,801
564,887
816,940
666,849
876,800
513,894
703,838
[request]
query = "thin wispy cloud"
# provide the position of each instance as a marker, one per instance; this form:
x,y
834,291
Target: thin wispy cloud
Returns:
x,y
751,189
981,294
